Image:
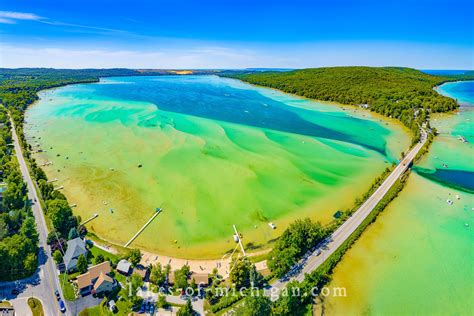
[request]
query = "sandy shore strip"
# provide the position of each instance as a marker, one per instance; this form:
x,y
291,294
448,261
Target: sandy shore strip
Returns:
x,y
197,266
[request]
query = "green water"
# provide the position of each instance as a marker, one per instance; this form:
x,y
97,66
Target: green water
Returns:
x,y
418,257
213,152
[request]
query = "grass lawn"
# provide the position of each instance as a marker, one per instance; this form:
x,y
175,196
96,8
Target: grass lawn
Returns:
x,y
93,311
68,289
36,307
122,307
94,251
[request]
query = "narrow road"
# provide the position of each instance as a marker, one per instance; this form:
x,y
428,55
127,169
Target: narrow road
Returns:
x,y
349,226
49,280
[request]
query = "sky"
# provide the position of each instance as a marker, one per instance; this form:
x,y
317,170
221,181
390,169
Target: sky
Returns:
x,y
179,34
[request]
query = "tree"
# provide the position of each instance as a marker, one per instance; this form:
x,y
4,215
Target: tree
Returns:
x,y
186,310
61,215
157,275
240,274
181,277
28,229
255,278
161,302
99,259
134,256
58,257
255,305
72,233
82,264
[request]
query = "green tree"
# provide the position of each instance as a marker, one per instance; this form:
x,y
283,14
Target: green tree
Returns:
x,y
181,277
157,275
255,305
82,264
72,233
186,310
134,256
58,257
240,273
161,302
99,259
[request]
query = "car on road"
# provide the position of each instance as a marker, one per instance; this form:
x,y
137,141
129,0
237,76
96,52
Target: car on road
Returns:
x,y
62,306
142,308
57,294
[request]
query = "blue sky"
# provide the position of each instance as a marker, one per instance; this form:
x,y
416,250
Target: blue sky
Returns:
x,y
236,34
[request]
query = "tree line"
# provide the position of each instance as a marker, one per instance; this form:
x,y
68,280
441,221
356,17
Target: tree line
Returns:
x,y
402,93
18,235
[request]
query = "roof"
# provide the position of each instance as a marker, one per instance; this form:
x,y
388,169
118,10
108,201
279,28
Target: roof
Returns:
x,y
201,278
94,272
103,278
141,270
75,248
124,266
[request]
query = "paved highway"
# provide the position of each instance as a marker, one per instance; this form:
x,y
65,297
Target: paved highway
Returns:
x,y
49,280
317,257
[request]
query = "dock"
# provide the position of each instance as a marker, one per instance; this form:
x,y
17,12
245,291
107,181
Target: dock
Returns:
x,y
240,241
89,219
158,211
59,188
51,181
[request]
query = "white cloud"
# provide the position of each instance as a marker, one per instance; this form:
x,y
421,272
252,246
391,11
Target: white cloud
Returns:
x,y
9,17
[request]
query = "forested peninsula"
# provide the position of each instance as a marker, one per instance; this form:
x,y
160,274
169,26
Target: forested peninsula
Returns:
x,y
402,93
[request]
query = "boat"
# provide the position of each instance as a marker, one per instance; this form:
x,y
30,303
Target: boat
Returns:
x,y
458,197
272,226
449,202
236,238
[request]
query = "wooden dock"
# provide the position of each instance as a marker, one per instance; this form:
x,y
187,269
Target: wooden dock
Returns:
x,y
158,211
89,219
240,241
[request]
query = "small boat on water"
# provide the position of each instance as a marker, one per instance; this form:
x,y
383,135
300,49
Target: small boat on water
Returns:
x,y
272,226
450,202
458,197
445,166
462,139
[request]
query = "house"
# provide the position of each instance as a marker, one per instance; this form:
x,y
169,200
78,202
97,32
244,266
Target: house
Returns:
x,y
6,309
142,271
123,267
103,284
75,248
96,280
201,279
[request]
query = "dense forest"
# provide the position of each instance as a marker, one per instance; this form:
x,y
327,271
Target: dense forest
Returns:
x,y
18,236
402,93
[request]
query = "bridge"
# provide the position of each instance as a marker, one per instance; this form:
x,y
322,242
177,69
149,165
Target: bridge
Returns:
x,y
340,235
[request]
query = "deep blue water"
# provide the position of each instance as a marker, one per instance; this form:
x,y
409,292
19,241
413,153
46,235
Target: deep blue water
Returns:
x,y
214,98
463,92
458,179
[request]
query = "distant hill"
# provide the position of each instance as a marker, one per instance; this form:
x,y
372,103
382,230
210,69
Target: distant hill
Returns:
x,y
403,93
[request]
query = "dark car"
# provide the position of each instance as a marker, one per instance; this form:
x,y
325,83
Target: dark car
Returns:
x,y
57,294
142,308
62,306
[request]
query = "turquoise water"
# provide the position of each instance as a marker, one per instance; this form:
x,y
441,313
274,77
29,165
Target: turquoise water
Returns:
x,y
213,152
417,258
453,162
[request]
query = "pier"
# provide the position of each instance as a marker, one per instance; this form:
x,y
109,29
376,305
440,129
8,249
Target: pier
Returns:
x,y
89,219
240,241
158,211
